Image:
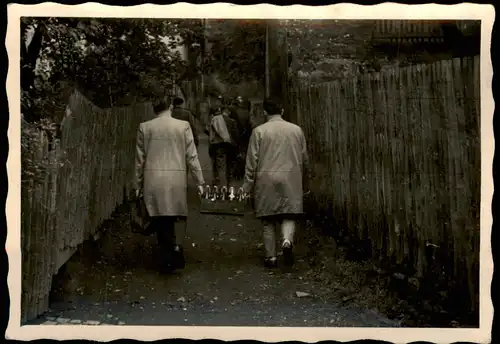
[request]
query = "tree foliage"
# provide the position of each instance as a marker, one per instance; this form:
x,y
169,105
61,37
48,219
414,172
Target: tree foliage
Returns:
x,y
238,49
110,60
325,47
330,49
319,50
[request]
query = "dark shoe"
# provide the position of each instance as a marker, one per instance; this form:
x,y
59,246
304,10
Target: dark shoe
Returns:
x,y
167,268
167,262
288,253
271,262
179,261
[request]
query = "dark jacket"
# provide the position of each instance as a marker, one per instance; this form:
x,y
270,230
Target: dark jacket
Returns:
x,y
242,117
186,115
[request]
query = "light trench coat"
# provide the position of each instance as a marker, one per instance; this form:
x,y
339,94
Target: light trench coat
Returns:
x,y
165,149
275,164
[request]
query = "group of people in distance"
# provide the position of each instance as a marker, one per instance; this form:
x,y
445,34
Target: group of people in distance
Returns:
x,y
229,127
275,173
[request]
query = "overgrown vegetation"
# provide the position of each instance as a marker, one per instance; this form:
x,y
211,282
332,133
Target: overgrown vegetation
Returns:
x,y
321,50
112,61
237,52
35,137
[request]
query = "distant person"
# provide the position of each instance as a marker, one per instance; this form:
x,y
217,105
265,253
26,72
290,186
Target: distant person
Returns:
x,y
222,149
165,150
214,110
275,172
183,114
242,116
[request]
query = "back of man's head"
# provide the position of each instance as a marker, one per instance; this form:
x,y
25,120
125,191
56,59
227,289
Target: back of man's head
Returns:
x,y
160,106
271,107
178,101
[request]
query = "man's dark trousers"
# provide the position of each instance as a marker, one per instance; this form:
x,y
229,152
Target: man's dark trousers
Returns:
x,y
165,226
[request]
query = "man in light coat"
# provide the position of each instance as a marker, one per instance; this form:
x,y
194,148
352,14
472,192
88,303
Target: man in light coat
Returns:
x,y
165,150
275,172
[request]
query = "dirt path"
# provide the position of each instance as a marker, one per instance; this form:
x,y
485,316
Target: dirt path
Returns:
x,y
115,280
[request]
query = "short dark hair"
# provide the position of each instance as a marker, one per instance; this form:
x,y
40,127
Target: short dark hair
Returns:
x,y
160,106
271,107
178,101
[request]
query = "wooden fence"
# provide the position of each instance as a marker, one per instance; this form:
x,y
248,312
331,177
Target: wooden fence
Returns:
x,y
397,161
90,171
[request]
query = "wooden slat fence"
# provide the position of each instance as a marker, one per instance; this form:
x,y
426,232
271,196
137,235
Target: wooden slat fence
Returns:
x,y
397,154
90,171
414,28
407,28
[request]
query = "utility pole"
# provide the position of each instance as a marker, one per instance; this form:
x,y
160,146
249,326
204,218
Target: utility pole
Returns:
x,y
203,57
268,67
276,61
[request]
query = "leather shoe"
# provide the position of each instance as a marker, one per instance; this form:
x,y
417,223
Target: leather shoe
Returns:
x,y
271,262
288,258
179,261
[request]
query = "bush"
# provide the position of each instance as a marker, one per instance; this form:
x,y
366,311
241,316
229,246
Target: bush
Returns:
x,y
35,158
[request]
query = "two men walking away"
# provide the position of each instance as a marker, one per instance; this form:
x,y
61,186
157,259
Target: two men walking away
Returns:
x,y
276,172
165,150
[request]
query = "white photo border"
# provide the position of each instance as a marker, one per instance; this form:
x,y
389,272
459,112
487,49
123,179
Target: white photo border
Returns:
x,y
464,11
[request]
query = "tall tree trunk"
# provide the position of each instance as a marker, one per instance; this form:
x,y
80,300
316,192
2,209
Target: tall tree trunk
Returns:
x,y
268,67
29,56
203,57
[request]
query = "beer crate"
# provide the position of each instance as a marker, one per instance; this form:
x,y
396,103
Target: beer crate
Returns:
x,y
224,202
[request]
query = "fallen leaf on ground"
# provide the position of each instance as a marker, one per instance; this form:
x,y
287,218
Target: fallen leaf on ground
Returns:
x,y
181,299
232,239
301,294
347,298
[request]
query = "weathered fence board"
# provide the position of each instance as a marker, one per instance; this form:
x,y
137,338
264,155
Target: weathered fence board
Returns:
x,y
398,155
65,208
